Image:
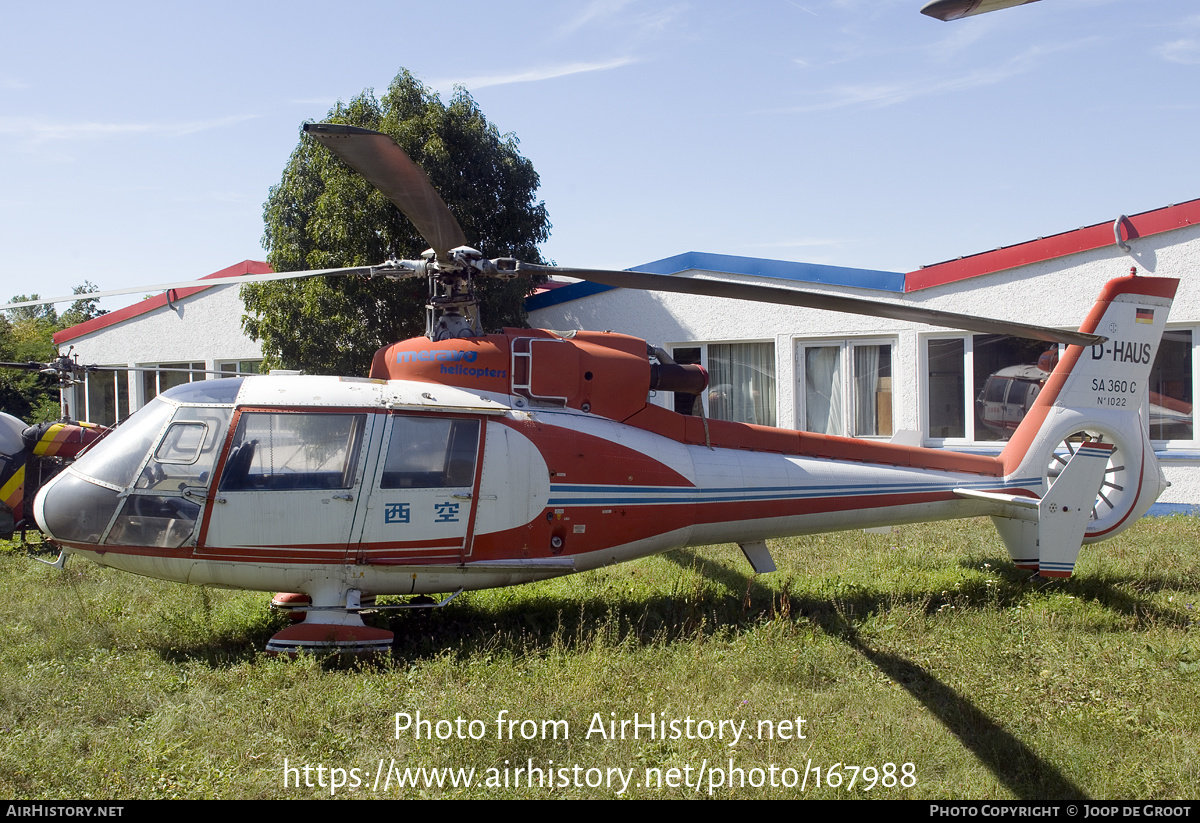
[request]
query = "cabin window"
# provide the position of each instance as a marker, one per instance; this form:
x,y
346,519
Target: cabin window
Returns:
x,y
187,451
845,388
293,451
181,444
126,449
430,453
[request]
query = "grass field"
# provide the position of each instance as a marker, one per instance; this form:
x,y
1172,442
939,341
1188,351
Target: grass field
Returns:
x,y
923,648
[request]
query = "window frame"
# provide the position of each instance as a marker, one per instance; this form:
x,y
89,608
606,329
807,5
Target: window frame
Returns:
x,y
970,422
704,347
1194,443
849,390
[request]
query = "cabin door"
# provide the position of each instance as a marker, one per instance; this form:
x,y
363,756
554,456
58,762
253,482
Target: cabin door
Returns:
x,y
422,502
290,487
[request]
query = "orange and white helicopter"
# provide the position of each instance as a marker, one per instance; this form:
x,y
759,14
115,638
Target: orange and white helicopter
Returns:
x,y
469,460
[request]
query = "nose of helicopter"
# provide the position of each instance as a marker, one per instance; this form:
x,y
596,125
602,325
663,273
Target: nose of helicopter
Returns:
x,y
71,509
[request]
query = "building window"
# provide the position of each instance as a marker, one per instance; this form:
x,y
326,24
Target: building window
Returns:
x,y
685,403
169,375
105,397
232,368
1171,381
829,403
979,387
741,381
945,379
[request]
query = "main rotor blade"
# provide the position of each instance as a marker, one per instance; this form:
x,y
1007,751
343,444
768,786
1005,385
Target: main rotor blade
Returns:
x,y
187,284
379,159
814,300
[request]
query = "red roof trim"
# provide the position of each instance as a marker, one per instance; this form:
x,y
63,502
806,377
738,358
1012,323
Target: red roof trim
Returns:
x,y
1058,245
155,302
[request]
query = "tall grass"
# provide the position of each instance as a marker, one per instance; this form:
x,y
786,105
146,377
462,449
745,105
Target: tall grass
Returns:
x,y
922,646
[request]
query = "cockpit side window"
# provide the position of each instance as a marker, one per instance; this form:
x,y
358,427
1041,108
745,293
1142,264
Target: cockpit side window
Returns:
x,y
181,444
293,451
188,450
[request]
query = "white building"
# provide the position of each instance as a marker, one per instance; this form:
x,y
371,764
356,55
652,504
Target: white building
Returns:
x,y
786,366
196,328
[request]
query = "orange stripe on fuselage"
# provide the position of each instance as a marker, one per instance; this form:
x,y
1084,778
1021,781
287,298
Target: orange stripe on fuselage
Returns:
x,y
53,440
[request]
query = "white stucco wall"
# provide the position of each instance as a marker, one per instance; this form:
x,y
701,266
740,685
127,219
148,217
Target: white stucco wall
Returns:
x,y
206,326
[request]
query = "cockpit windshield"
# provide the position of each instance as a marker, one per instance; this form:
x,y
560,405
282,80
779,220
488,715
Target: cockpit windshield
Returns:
x,y
144,484
116,458
223,391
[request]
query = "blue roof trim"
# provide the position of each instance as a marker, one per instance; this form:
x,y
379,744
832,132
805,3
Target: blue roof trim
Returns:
x,y
731,264
563,294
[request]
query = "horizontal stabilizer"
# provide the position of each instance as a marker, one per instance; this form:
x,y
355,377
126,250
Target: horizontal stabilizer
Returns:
x,y
1013,506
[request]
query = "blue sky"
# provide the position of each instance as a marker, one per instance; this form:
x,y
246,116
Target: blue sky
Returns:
x,y
139,140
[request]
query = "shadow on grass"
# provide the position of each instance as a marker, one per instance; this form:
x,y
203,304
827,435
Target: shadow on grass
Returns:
x,y
1110,591
1013,763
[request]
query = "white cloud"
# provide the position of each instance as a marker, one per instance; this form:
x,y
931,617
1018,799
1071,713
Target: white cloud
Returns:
x,y
798,243
890,93
596,11
42,130
533,75
1186,51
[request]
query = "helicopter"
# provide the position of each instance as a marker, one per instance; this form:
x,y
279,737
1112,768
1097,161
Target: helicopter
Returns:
x,y
467,460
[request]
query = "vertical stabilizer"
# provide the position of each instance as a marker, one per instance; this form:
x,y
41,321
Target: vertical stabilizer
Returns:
x,y
1086,437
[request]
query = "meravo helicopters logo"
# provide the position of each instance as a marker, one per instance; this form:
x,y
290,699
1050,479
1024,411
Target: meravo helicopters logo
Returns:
x,y
447,357
441,355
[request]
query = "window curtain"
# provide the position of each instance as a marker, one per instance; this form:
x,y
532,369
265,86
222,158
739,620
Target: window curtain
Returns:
x,y
742,382
823,390
866,385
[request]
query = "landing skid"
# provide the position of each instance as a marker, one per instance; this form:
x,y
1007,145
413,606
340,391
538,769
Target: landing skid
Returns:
x,y
337,629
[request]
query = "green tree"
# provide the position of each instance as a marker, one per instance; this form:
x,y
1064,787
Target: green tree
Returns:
x,y
324,215
82,310
27,335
